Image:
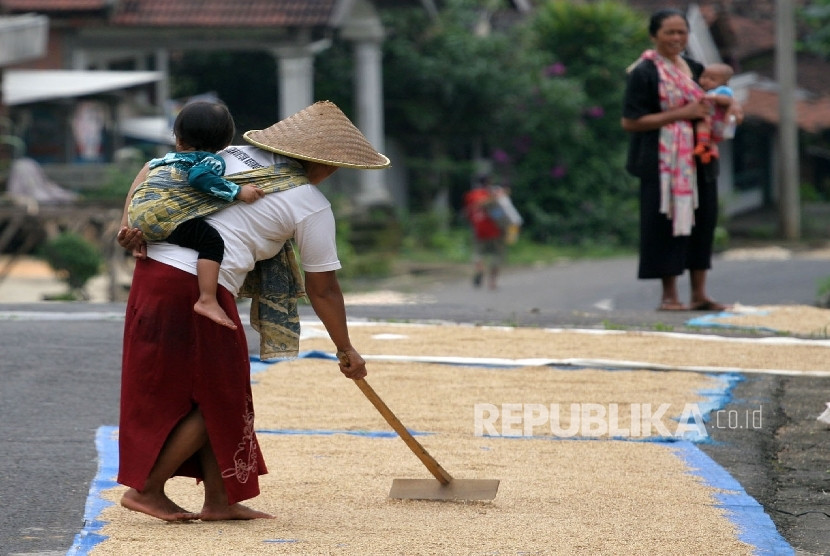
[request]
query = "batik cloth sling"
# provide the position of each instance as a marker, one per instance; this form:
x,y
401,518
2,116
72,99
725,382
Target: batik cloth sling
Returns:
x,y
274,285
676,163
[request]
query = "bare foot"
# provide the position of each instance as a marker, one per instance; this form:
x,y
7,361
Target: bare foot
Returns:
x,y
235,511
156,505
214,312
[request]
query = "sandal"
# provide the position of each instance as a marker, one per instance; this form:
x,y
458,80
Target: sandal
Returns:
x,y
672,306
709,305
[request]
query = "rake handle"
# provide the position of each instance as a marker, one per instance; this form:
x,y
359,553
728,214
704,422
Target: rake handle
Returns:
x,y
434,467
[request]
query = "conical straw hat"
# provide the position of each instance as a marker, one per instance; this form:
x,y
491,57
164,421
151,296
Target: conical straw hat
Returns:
x,y
319,133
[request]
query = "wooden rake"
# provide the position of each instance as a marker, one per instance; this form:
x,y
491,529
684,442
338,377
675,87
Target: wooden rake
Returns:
x,y
445,488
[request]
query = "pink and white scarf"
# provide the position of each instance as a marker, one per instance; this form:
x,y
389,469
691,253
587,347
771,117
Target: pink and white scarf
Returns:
x,y
676,162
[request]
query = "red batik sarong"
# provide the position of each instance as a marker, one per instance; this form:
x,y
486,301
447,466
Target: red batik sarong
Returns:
x,y
175,360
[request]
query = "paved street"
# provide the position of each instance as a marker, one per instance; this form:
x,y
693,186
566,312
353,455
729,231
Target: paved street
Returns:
x,y
585,293
60,368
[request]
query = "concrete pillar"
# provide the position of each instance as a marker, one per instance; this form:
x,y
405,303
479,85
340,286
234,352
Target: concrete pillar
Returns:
x,y
369,97
364,29
80,59
295,79
162,63
369,91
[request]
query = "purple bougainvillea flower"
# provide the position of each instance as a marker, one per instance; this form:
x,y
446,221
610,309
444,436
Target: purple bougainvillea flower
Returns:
x,y
500,156
559,171
555,70
595,112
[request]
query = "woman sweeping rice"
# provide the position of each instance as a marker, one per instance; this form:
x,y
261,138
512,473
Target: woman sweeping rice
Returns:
x,y
186,404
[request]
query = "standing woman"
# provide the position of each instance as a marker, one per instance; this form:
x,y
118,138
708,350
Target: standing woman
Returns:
x,y
678,195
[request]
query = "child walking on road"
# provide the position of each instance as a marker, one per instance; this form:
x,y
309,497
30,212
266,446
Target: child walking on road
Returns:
x,y
495,223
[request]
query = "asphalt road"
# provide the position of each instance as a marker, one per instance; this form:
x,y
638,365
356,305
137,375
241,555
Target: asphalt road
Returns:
x,y
60,364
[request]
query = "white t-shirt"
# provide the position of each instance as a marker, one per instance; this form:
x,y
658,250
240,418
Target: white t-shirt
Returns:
x,y
257,231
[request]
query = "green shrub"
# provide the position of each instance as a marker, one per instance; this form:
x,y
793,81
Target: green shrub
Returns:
x,y
74,258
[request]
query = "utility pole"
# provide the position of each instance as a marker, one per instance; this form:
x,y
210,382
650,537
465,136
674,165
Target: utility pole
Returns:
x,y
788,173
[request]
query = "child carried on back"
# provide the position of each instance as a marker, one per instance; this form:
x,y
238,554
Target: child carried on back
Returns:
x,y
201,129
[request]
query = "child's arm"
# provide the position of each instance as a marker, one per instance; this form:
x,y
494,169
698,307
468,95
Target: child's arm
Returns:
x,y
206,179
206,176
250,193
720,100
722,96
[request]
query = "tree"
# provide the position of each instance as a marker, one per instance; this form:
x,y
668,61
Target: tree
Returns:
x,y
569,158
816,18
444,84
542,100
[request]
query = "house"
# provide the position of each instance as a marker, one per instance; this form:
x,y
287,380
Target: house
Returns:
x,y
138,35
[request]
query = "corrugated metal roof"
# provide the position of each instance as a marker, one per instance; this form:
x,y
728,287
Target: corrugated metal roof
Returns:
x,y
25,86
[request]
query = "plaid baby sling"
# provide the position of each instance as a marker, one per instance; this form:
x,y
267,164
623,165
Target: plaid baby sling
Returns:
x,y
274,285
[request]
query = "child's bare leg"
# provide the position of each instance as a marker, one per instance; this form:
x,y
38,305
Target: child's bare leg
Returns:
x,y
703,133
216,507
478,274
185,439
494,276
207,272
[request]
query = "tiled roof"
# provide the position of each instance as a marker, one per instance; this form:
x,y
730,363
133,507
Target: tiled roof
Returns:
x,y
753,36
225,13
755,9
812,73
752,22
53,5
648,7
813,115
